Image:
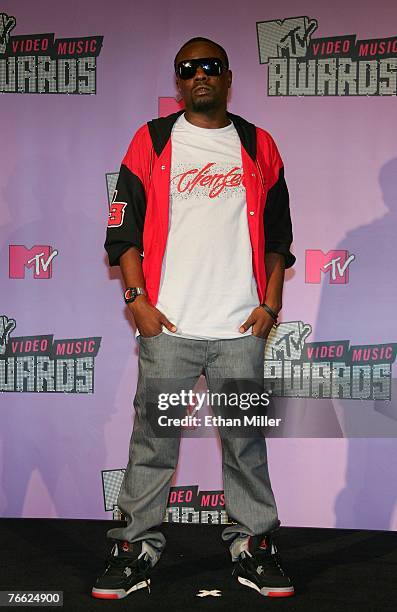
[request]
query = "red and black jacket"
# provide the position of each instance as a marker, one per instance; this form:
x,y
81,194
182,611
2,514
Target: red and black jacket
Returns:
x,y
139,212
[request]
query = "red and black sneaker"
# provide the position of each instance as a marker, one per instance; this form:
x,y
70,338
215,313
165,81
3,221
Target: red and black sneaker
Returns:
x,y
127,569
259,567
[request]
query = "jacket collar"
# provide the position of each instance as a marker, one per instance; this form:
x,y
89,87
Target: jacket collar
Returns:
x,y
160,132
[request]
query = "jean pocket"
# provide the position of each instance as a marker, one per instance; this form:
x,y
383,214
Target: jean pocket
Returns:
x,y
151,337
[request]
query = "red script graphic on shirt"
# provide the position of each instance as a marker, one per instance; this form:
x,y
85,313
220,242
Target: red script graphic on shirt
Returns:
x,y
191,179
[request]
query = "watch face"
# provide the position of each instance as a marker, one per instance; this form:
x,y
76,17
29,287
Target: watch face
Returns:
x,y
130,294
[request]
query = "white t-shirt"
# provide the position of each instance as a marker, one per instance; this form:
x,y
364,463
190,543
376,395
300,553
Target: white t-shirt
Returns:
x,y
207,286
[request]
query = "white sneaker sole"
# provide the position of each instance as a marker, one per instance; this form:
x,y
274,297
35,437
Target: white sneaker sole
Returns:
x,y
118,593
268,592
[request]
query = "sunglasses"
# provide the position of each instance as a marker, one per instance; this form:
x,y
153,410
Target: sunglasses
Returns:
x,y
212,66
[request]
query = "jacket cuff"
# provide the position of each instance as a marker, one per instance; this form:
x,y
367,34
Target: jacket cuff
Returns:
x,y
283,249
115,251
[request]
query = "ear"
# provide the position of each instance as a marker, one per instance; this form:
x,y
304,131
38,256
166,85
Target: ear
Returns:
x,y
229,78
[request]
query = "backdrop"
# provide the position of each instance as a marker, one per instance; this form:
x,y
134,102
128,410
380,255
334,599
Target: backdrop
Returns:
x,y
76,83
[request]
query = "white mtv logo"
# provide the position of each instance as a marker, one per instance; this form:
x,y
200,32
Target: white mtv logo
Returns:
x,y
284,37
41,263
286,340
6,327
7,23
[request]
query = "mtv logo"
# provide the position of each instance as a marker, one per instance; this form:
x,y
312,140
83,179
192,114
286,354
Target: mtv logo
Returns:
x,y
111,481
336,263
39,257
284,37
286,340
111,182
6,327
7,23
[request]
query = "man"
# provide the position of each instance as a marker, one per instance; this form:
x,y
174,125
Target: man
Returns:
x,y
202,237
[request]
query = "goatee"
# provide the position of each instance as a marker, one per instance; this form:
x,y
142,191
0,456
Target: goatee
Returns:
x,y
203,106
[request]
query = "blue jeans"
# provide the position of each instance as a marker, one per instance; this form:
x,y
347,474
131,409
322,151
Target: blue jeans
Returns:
x,y
249,499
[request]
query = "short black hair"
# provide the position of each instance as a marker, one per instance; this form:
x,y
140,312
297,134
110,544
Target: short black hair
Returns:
x,y
207,40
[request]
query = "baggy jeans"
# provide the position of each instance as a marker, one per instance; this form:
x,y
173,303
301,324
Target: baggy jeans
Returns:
x,y
143,497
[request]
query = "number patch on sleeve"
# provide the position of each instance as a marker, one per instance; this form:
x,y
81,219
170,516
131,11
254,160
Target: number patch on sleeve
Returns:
x,y
116,212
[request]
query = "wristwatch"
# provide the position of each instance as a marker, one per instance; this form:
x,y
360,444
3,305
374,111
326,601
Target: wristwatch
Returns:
x,y
131,293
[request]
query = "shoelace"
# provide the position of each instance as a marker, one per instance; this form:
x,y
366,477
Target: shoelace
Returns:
x,y
275,561
271,561
114,564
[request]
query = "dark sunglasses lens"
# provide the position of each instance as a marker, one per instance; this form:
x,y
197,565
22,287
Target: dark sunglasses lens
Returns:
x,y
211,67
187,70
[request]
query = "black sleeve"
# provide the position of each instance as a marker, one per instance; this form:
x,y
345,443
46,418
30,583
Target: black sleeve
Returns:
x,y
277,221
126,216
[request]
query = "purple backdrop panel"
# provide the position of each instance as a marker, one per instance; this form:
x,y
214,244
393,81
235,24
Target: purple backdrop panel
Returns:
x,y
76,83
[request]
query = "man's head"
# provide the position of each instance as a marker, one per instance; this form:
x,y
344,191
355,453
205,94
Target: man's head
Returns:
x,y
203,92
